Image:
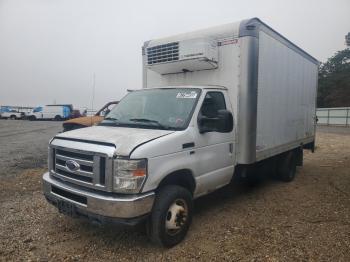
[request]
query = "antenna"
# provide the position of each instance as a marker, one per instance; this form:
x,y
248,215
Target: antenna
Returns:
x,y
93,94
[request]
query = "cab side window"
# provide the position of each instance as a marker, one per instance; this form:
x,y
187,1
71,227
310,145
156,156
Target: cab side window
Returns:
x,y
213,102
208,117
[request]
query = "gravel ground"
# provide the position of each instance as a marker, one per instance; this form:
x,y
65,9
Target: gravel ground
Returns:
x,y
23,144
306,220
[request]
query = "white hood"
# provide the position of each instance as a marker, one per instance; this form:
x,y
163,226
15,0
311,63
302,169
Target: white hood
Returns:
x,y
125,139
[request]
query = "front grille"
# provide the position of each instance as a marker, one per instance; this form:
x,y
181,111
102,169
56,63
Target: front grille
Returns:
x,y
163,53
89,169
71,175
75,155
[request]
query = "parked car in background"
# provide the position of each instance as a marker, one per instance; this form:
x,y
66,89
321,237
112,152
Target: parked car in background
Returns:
x,y
87,121
13,114
51,112
75,113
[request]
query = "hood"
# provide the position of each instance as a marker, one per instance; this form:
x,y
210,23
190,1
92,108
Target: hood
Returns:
x,y
85,120
125,139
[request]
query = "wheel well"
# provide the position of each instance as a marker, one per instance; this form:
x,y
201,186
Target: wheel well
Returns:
x,y
182,178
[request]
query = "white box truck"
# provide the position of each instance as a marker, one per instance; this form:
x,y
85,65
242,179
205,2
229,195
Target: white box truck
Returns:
x,y
216,104
51,112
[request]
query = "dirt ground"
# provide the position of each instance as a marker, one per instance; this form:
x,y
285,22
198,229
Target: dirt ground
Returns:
x,y
305,220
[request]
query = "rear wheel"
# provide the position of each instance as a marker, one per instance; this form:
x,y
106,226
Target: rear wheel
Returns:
x,y
32,118
58,118
286,168
171,216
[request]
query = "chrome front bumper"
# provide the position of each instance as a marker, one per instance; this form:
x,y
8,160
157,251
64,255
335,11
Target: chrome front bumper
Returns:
x,y
92,203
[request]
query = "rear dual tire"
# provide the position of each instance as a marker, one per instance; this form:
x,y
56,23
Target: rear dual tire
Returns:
x,y
171,216
286,167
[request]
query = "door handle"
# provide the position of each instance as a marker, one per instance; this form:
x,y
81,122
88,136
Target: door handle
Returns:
x,y
231,147
188,145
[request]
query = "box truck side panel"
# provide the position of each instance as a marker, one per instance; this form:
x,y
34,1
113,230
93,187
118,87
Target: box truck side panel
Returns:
x,y
247,101
287,83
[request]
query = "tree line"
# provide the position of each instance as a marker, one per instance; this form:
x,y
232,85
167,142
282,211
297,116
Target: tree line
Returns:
x,y
334,81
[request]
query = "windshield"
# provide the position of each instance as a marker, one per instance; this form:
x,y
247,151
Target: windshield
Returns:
x,y
168,108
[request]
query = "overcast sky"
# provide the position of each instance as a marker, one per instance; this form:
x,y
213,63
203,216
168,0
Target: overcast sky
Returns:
x,y
50,49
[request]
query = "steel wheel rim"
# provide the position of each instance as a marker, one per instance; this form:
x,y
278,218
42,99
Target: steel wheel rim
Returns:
x,y
176,217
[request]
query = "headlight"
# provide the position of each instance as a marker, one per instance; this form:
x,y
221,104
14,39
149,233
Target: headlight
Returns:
x,y
129,175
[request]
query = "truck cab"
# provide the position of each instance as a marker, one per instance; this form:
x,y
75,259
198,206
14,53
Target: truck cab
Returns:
x,y
173,136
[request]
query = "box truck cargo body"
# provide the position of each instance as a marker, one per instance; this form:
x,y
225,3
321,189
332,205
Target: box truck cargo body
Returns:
x,y
216,104
271,83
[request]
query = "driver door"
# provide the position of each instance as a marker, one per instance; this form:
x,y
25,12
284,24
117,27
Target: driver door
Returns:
x,y
214,151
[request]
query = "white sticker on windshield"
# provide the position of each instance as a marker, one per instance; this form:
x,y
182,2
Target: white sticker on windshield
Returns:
x,y
191,94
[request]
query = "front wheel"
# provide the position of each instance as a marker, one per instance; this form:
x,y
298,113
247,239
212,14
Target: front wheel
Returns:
x,y
171,216
13,117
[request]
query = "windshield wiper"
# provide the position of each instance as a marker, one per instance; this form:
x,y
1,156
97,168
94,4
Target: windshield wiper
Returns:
x,y
145,120
111,118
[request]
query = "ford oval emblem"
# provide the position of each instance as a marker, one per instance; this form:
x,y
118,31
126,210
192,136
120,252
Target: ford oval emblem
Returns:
x,y
72,165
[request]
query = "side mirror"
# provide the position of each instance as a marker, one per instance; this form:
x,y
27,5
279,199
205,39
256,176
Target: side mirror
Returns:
x,y
204,124
226,121
223,123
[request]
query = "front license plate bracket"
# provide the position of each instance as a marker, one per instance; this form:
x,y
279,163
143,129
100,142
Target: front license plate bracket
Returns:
x,y
66,208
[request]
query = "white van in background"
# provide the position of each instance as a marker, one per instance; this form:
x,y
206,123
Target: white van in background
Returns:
x,y
51,112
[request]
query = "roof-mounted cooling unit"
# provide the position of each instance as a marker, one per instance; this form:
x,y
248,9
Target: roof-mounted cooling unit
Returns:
x,y
183,56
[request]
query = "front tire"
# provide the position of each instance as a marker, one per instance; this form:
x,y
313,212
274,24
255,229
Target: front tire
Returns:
x,y
171,216
13,117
